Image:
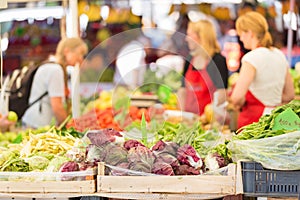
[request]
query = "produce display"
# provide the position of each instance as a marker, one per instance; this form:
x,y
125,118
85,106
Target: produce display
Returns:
x,y
273,140
266,126
132,157
35,152
118,136
95,119
112,109
147,141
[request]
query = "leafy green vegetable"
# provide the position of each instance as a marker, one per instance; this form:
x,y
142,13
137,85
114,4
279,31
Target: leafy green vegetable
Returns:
x,y
263,128
144,129
122,105
69,131
44,154
6,156
296,80
15,164
18,139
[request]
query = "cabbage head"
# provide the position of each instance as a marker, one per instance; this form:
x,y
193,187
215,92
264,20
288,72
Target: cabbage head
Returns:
x,y
37,163
55,164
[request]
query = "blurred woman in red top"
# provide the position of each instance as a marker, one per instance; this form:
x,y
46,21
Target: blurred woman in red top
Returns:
x,y
205,71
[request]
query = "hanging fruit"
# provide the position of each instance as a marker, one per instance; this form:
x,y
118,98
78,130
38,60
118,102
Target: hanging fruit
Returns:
x,y
94,13
113,16
205,8
272,11
285,7
222,13
83,7
261,10
244,10
91,10
133,19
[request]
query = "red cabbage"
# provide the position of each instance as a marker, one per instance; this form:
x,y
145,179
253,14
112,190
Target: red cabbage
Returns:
x,y
214,161
141,156
165,147
167,158
69,166
162,168
132,143
186,170
115,154
103,136
189,156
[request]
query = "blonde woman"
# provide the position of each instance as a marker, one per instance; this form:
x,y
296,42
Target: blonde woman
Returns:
x,y
264,81
205,71
51,79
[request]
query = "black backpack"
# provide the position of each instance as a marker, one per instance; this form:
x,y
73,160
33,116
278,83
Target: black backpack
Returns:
x,y
19,88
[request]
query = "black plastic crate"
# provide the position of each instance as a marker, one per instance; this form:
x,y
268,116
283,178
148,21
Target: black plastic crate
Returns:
x,y
261,182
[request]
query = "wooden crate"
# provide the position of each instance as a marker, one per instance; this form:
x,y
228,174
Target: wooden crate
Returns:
x,y
211,185
47,182
88,186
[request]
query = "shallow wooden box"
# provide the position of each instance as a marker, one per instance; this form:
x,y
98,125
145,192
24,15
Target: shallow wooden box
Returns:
x,y
208,186
40,182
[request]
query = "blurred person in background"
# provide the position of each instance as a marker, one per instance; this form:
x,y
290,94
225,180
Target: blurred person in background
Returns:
x,y
205,72
176,44
131,62
95,67
51,78
264,79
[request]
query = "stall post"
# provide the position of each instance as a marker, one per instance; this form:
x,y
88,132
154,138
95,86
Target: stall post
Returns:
x,y
72,31
290,33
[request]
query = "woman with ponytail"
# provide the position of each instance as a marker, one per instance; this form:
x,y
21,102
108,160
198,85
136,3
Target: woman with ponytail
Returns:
x,y
264,80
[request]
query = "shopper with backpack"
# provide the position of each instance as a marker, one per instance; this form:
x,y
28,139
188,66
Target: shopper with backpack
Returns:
x,y
51,78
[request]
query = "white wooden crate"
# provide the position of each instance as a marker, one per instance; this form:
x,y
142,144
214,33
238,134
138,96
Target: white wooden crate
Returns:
x,y
88,186
47,182
205,185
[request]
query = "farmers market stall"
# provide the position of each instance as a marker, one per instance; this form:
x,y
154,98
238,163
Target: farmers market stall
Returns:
x,y
133,164
137,145
119,149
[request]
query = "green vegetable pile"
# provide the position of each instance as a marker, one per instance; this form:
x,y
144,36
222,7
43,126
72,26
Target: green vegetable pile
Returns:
x,y
279,152
180,133
272,147
296,79
264,127
162,85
